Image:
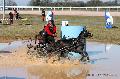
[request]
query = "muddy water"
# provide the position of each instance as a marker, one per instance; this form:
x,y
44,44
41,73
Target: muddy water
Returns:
x,y
58,71
12,45
44,72
41,71
13,73
104,59
3,45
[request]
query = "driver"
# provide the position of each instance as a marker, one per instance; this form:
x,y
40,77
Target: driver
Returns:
x,y
50,30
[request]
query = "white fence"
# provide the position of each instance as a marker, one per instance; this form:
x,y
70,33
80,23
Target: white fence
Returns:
x,y
38,8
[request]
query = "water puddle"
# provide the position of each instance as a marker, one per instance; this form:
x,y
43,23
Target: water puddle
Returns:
x,y
104,59
43,72
55,72
13,73
12,45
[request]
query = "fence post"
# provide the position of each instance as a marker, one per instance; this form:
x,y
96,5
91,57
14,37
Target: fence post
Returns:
x,y
62,8
32,9
17,8
117,9
92,9
109,9
70,8
39,9
97,9
86,9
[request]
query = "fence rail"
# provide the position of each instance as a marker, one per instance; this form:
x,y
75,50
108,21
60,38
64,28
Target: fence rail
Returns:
x,y
32,8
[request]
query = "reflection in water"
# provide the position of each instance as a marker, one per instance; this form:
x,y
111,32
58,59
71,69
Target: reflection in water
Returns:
x,y
10,78
46,71
13,73
3,45
97,52
97,56
12,45
94,61
58,72
5,52
73,72
91,53
105,64
104,57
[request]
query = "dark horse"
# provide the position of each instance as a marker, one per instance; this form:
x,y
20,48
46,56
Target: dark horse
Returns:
x,y
63,46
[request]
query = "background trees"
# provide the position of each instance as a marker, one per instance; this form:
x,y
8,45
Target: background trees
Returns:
x,y
10,3
72,3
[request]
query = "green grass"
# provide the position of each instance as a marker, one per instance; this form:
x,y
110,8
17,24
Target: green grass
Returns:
x,y
95,24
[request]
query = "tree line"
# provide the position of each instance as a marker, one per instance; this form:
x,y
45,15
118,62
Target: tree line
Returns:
x,y
72,3
10,3
66,3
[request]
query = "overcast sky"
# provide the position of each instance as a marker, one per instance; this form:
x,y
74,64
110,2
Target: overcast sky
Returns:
x,y
25,2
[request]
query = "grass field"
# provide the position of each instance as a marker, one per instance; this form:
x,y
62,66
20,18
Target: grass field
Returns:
x,y
24,29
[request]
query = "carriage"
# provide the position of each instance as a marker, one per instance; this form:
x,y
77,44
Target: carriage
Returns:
x,y
62,47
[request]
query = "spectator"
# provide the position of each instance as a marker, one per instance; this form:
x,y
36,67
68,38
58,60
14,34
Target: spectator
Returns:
x,y
50,16
15,13
43,14
18,16
11,17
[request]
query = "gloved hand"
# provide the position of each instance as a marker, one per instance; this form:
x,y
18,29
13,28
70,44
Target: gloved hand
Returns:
x,y
54,35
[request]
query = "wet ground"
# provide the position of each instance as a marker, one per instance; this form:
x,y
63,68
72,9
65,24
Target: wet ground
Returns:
x,y
13,73
104,62
105,58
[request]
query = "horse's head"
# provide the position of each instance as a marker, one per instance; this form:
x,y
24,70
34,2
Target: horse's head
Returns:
x,y
85,34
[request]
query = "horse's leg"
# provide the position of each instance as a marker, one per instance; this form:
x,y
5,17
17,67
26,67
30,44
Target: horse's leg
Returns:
x,y
61,54
82,53
82,58
36,36
85,56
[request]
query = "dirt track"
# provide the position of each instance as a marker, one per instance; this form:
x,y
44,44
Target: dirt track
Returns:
x,y
79,13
